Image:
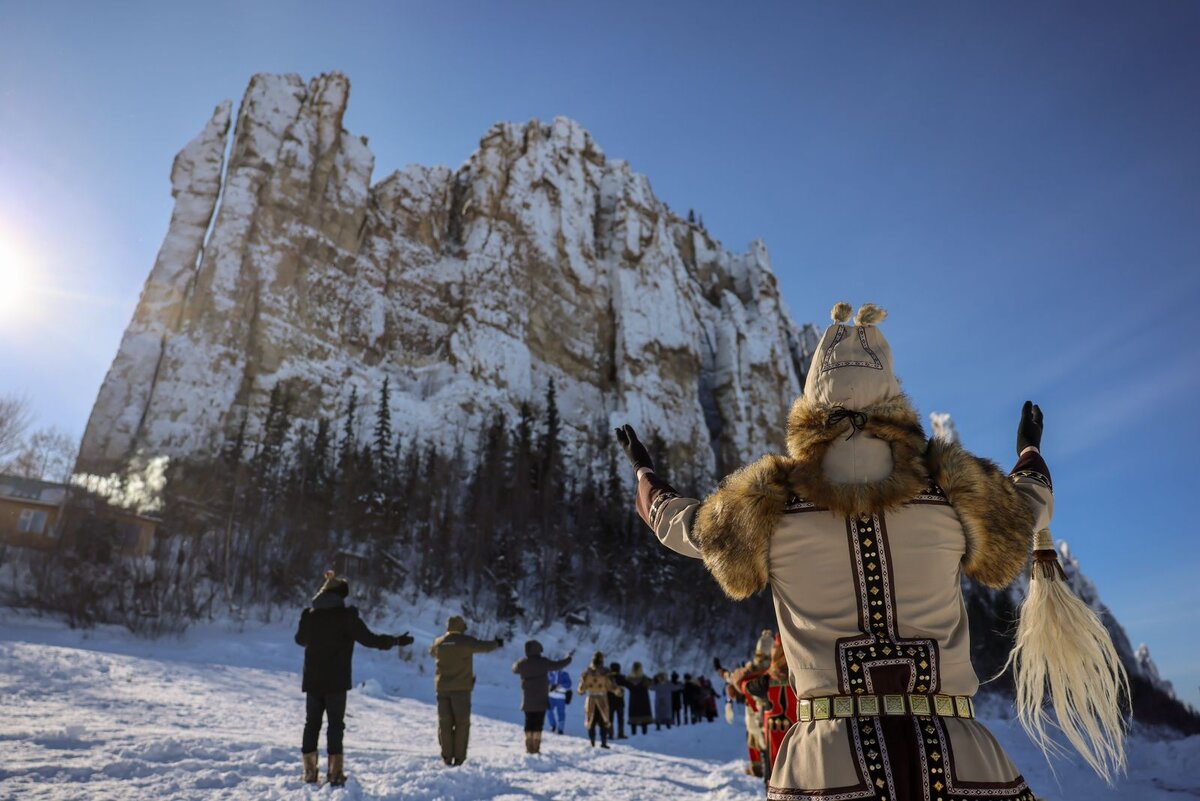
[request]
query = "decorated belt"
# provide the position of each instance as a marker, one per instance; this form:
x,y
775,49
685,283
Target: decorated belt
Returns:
x,y
848,706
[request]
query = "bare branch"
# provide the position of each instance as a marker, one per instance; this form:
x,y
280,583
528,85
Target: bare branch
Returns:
x,y
15,419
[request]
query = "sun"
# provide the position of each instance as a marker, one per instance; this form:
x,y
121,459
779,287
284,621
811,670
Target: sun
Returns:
x,y
16,269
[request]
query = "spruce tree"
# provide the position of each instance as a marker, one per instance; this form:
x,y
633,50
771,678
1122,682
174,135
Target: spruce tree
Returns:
x,y
383,436
349,440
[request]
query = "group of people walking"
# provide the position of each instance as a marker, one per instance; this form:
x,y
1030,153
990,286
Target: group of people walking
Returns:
x,y
329,629
614,698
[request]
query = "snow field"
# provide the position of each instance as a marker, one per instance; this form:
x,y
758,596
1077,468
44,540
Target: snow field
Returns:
x,y
218,714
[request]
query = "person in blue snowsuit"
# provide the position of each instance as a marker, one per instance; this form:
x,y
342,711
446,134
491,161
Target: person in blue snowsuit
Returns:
x,y
560,691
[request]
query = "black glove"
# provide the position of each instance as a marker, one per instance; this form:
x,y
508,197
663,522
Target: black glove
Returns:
x,y
635,451
403,639
500,642
1029,432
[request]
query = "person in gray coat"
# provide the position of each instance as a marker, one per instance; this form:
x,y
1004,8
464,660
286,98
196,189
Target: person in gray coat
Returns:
x,y
534,671
663,690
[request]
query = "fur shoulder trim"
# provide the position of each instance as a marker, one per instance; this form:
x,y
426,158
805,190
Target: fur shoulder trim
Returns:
x,y
998,524
734,525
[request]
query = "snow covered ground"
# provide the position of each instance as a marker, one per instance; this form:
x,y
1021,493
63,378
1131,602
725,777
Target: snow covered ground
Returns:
x,y
218,713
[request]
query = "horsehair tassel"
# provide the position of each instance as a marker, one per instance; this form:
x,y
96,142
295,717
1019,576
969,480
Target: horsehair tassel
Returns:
x,y
1045,558
1061,646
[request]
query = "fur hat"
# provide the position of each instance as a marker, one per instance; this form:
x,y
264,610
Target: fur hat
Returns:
x,y
335,584
852,366
533,648
456,625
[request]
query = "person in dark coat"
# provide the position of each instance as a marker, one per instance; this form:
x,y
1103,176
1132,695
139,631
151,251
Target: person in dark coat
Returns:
x,y
616,703
708,699
637,686
327,631
676,700
691,699
534,671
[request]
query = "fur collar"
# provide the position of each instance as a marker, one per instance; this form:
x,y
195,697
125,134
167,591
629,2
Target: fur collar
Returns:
x,y
894,421
733,527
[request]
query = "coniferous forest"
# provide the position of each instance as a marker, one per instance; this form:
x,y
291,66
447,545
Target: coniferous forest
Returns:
x,y
523,531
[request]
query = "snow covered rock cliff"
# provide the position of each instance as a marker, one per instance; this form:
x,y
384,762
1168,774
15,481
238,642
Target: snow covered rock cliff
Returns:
x,y
538,259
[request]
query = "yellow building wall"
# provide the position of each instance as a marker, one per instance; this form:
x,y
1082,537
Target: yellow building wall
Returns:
x,y
10,517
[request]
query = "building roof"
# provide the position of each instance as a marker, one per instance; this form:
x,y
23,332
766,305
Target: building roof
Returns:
x,y
31,489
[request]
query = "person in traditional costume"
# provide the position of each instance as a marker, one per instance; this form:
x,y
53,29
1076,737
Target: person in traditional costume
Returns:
x,y
734,688
863,531
594,685
773,691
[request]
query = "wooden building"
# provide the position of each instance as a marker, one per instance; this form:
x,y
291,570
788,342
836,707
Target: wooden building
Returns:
x,y
46,515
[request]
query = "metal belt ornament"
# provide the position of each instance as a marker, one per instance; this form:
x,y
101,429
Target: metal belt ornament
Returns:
x,y
848,706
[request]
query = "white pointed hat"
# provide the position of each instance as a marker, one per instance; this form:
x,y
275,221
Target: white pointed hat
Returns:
x,y
852,366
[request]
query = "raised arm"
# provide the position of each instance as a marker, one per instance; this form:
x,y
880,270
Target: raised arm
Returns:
x,y
483,646
668,515
364,636
1031,475
999,512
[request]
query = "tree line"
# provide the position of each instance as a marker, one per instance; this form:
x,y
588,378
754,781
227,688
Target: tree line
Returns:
x,y
517,527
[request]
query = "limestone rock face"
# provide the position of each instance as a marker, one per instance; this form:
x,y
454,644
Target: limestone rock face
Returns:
x,y
538,259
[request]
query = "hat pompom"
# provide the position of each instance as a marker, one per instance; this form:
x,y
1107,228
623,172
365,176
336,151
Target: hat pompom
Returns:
x,y
870,314
841,312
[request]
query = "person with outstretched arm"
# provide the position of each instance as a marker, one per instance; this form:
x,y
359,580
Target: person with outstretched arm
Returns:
x,y
454,679
863,531
328,631
535,671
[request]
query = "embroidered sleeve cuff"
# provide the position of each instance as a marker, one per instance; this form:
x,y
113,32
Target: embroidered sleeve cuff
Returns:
x,y
652,495
1032,466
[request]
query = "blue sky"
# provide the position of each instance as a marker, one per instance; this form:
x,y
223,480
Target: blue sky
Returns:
x,y
1018,183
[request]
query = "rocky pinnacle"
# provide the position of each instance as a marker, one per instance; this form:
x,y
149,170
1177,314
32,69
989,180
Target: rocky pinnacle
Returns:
x,y
538,259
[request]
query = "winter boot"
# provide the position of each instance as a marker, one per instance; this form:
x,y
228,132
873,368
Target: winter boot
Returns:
x,y
603,739
312,773
336,774
537,742
529,749
592,737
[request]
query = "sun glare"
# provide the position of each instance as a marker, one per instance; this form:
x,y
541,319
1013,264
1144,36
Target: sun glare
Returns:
x,y
15,280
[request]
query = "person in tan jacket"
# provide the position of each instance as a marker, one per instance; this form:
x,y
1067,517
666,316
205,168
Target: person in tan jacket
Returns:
x,y
595,684
454,678
863,532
